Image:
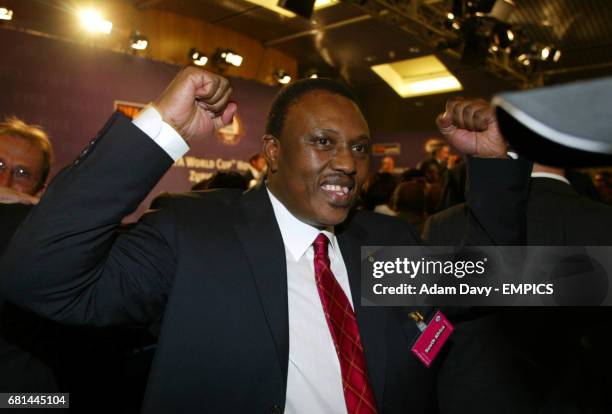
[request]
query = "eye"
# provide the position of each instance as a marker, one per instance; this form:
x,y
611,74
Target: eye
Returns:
x,y
2,165
323,141
21,172
362,148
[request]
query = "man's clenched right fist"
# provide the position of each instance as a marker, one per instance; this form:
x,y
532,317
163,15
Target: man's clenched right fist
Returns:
x,y
196,103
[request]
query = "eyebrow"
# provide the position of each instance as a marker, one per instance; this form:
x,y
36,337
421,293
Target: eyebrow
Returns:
x,y
333,131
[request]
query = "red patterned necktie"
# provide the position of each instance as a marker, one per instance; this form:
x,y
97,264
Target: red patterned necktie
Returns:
x,y
343,327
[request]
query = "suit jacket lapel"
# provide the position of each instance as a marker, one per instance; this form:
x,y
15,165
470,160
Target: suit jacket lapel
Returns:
x,y
260,236
372,321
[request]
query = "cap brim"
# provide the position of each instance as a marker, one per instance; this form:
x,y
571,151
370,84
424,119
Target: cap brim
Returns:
x,y
568,125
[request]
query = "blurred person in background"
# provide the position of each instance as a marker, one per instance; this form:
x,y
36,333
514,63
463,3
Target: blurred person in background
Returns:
x,y
387,165
223,179
408,202
436,163
257,169
603,184
377,191
25,159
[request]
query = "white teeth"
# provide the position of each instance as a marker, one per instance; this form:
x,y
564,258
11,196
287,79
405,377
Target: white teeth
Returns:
x,y
336,188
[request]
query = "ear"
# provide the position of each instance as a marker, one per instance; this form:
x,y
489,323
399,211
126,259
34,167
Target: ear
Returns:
x,y
271,149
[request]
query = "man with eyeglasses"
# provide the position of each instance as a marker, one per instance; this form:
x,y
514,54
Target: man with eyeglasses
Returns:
x,y
25,158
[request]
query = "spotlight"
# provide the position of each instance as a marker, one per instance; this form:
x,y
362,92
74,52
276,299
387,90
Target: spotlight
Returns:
x,y
503,36
228,57
548,53
93,22
311,73
6,14
282,77
138,41
198,58
450,16
524,58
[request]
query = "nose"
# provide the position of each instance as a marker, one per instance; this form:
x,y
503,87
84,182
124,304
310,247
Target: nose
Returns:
x,y
6,178
344,160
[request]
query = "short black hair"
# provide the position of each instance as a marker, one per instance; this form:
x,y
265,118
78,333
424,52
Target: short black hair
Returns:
x,y
291,93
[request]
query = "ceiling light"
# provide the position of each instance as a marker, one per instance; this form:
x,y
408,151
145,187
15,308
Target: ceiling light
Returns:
x,y
282,77
198,58
450,16
228,56
321,4
93,22
548,53
503,36
6,14
138,41
273,5
419,76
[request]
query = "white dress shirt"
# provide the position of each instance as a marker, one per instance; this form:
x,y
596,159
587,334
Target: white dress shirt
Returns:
x,y
314,379
551,176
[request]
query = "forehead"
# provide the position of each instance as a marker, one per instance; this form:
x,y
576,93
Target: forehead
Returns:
x,y
20,151
322,109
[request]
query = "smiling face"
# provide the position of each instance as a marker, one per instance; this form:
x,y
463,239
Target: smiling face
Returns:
x,y
318,165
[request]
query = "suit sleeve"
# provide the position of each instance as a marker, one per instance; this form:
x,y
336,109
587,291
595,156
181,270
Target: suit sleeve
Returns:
x,y
496,196
68,263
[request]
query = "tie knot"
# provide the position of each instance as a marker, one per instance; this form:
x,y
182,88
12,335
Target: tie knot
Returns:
x,y
320,245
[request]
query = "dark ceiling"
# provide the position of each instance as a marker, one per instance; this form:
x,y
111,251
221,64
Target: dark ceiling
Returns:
x,y
348,39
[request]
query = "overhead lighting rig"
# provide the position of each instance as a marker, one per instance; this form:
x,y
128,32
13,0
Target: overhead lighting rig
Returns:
x,y
476,31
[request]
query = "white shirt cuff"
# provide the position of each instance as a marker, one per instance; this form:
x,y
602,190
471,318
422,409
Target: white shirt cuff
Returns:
x,y
151,123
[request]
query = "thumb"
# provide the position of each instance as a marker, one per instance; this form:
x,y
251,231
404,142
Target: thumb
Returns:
x,y
226,117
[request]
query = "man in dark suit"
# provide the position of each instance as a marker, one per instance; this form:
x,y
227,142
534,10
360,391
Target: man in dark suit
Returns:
x,y
564,351
250,286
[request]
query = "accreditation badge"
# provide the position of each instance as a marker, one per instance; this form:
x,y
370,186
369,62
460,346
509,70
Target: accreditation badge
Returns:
x,y
432,338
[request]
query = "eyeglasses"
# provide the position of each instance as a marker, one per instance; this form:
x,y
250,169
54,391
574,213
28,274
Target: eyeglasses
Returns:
x,y
19,173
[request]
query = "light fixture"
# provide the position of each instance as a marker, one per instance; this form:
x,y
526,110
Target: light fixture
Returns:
x,y
138,41
198,58
282,77
321,4
524,59
424,75
450,16
228,56
503,36
6,14
548,53
93,22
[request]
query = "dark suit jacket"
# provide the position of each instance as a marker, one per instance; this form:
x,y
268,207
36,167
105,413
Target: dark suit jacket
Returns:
x,y
213,265
564,352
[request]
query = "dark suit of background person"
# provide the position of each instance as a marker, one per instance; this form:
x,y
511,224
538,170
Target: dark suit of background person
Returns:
x,y
212,265
24,365
566,349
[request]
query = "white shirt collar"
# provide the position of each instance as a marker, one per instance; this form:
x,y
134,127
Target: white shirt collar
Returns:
x,y
551,176
297,235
